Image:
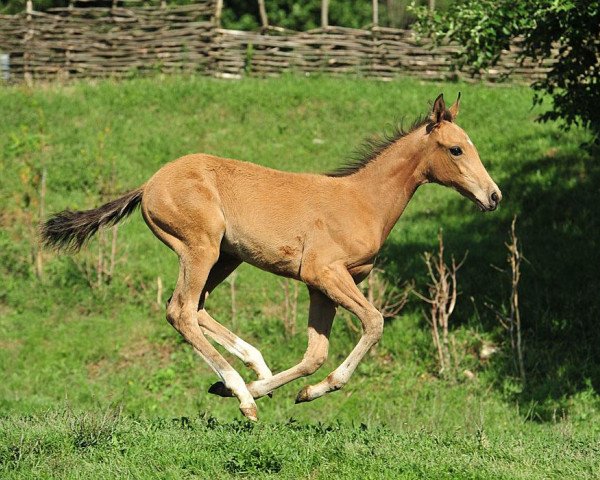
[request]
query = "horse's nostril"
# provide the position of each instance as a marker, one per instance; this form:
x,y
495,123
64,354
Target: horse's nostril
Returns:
x,y
495,198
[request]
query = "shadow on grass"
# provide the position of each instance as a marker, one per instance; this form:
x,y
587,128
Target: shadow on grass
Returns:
x,y
556,198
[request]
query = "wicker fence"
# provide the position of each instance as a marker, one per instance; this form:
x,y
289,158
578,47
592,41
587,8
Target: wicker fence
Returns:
x,y
100,42
380,52
111,41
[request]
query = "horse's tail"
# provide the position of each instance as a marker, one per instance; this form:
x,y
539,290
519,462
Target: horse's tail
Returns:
x,y
69,230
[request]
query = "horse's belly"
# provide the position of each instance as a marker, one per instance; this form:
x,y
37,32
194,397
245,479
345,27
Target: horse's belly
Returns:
x,y
278,255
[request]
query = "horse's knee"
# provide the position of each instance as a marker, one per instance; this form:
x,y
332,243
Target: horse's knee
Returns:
x,y
253,357
171,316
373,328
176,315
312,363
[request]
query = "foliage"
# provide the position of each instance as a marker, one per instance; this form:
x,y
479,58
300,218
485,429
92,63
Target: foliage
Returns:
x,y
564,31
291,14
301,16
17,6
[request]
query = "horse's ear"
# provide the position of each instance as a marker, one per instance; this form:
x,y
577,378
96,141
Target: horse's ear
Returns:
x,y
455,107
438,110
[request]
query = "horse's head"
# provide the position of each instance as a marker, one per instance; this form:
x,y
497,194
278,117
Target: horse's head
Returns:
x,y
452,159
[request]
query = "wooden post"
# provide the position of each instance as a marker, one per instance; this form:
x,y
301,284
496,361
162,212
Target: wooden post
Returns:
x,y
39,259
113,251
28,37
232,291
324,13
263,14
100,262
218,12
159,291
375,13
431,5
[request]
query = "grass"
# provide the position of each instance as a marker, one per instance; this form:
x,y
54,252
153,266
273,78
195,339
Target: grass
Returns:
x,y
204,447
72,348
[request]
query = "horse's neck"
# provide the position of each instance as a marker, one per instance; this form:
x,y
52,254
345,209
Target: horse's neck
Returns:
x,y
390,180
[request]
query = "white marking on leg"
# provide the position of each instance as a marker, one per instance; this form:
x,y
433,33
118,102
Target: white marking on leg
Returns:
x,y
341,375
233,344
232,380
253,358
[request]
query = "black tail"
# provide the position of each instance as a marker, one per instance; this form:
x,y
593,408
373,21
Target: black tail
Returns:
x,y
69,230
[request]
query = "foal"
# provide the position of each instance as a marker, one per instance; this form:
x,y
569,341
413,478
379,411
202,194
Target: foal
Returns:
x,y
324,230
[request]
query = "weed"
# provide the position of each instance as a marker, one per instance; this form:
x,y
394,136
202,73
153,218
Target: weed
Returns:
x,y
254,460
90,430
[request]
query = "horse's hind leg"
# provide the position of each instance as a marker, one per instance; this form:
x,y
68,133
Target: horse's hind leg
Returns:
x,y
182,211
182,314
223,336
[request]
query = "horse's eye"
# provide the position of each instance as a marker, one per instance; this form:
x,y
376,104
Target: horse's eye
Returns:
x,y
456,151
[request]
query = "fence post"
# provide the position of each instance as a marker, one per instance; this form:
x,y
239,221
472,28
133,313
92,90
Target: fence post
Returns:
x,y
375,13
218,11
263,14
376,53
431,5
324,13
27,76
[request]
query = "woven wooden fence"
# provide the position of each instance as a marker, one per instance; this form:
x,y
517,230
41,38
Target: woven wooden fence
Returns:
x,y
111,41
380,52
100,42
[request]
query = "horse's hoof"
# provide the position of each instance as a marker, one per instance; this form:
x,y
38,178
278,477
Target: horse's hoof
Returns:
x,y
303,395
251,413
270,394
220,389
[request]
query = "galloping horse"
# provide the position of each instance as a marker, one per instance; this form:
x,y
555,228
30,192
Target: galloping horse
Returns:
x,y
324,230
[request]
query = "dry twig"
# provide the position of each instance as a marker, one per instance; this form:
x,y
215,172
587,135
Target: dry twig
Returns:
x,y
442,300
511,320
387,298
290,305
233,295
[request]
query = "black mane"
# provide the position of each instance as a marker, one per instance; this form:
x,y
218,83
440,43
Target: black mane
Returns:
x,y
374,146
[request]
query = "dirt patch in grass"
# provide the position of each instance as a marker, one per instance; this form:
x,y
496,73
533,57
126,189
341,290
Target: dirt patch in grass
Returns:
x,y
141,352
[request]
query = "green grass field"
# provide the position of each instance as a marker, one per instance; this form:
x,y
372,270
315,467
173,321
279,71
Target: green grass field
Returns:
x,y
95,383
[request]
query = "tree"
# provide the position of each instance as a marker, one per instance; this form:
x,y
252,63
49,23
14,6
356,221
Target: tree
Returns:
x,y
566,31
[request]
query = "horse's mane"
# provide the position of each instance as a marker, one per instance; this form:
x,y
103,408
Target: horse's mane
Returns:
x,y
372,147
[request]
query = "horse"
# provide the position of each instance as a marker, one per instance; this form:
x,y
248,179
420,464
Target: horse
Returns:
x,y
324,230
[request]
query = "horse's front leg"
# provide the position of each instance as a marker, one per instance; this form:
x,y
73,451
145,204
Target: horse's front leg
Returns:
x,y
320,319
338,285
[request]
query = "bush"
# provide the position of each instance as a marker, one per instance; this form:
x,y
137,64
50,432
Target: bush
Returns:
x,y
565,31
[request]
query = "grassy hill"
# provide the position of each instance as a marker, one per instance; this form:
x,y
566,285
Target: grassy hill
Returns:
x,y
74,347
